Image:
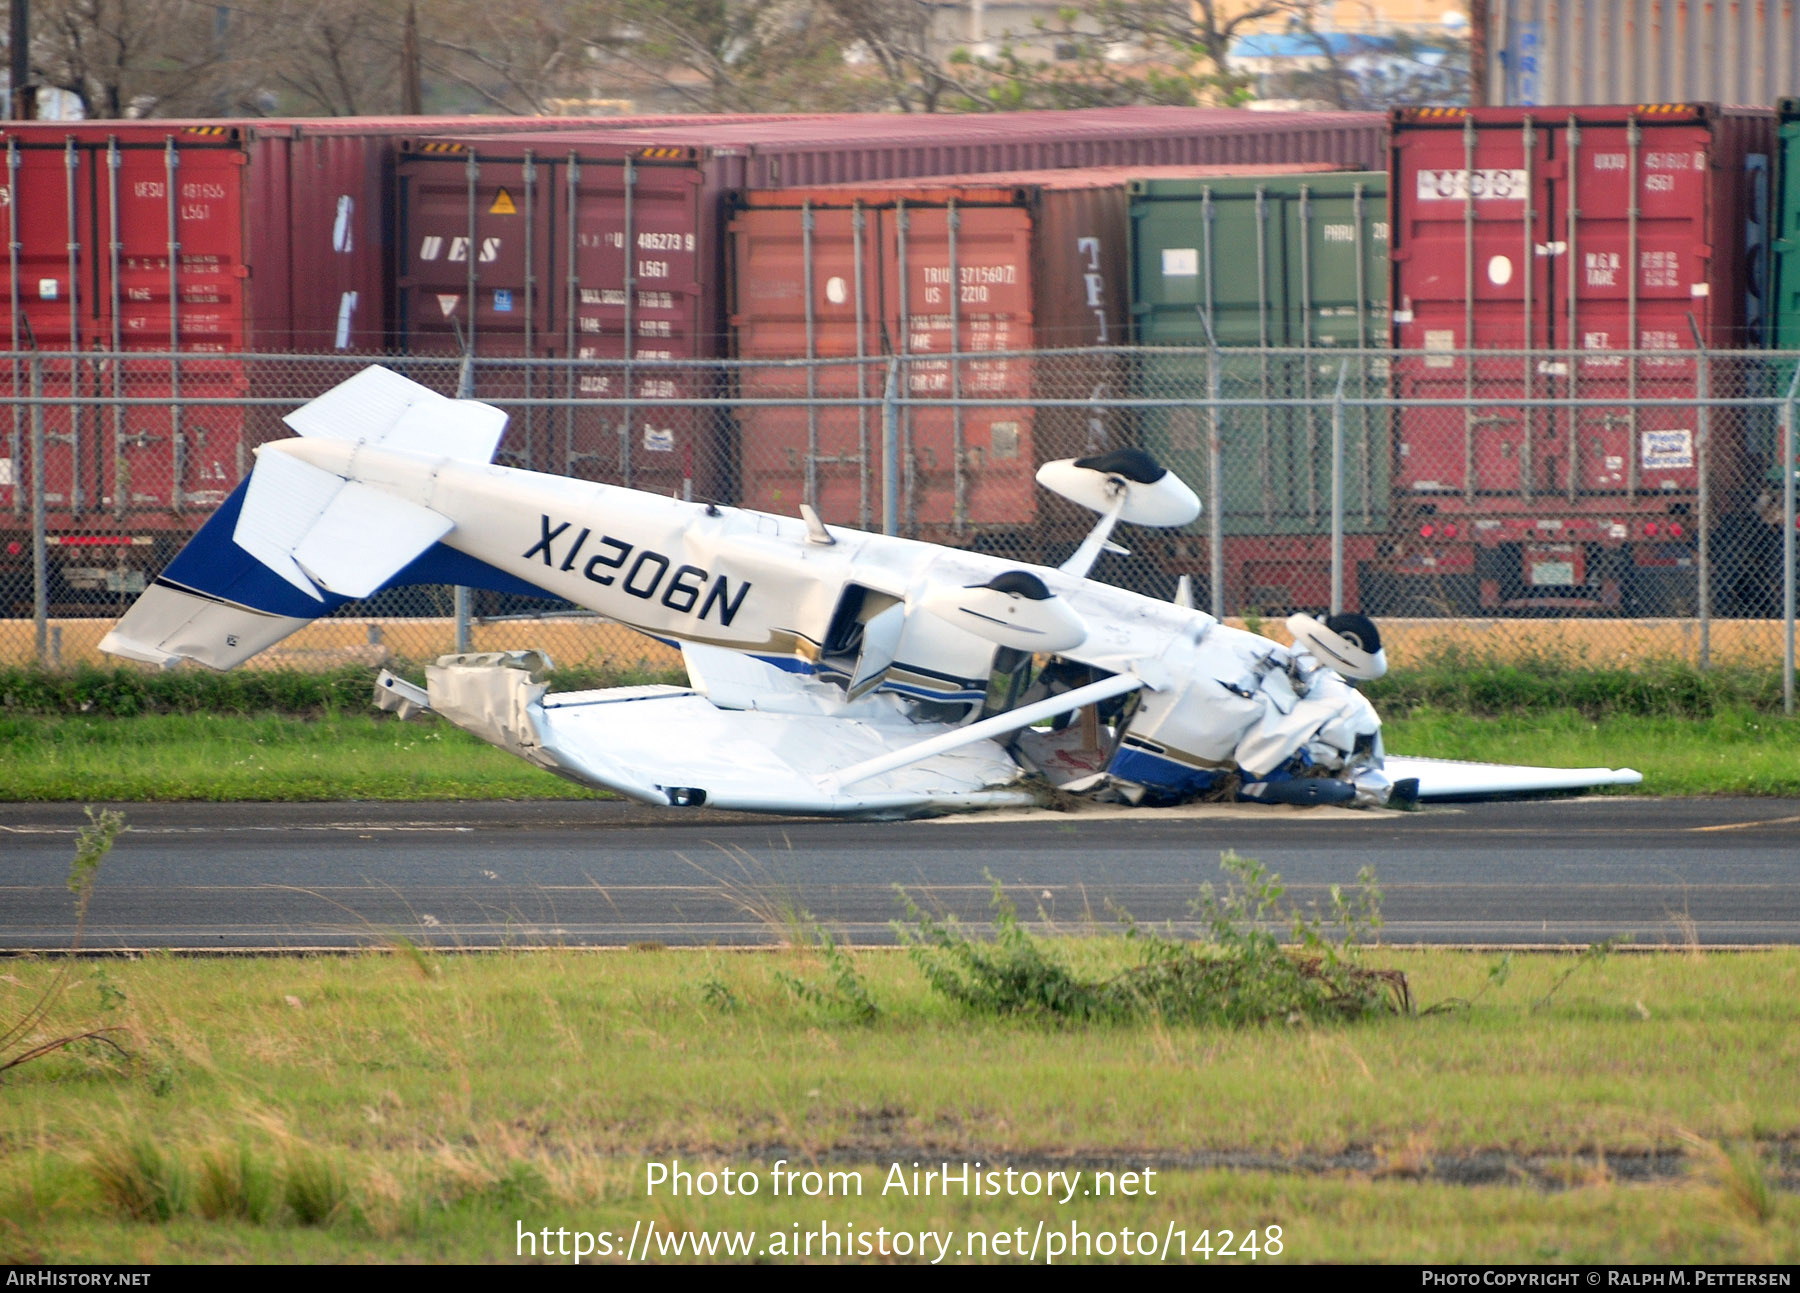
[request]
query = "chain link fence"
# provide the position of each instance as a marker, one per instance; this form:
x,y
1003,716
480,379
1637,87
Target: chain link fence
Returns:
x,y
1611,504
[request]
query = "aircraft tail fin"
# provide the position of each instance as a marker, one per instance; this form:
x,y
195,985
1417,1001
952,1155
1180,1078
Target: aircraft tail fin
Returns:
x,y
292,543
378,406
295,541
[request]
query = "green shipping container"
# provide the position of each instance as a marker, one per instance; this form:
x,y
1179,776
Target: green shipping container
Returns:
x,y
1784,290
1292,262
1784,321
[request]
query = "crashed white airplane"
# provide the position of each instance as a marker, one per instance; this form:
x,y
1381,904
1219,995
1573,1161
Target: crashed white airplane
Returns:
x,y
832,671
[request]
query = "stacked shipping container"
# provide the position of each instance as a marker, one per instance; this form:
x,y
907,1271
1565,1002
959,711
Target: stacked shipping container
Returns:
x,y
205,238
1029,261
1585,230
1294,263
612,247
1573,230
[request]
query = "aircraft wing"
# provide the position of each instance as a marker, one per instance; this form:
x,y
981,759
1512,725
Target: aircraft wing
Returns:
x,y
1450,779
673,745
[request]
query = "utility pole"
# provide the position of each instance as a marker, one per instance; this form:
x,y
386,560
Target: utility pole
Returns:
x,y
412,97
24,94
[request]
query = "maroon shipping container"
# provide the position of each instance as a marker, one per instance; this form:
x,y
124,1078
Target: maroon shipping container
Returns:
x,y
1033,260
94,209
517,246
1588,229
284,230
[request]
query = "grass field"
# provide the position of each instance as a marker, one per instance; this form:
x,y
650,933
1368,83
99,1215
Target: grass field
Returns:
x,y
355,756
411,1106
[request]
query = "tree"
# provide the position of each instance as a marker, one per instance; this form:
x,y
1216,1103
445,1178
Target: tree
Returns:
x,y
323,57
1371,73
521,58
737,55
895,44
1122,51
129,57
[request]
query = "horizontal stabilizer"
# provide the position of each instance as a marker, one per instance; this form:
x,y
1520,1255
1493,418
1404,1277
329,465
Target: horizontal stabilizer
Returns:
x,y
380,407
317,530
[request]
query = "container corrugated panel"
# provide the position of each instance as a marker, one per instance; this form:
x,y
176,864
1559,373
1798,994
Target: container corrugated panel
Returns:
x,y
878,261
1295,261
341,213
1643,51
790,152
1784,331
284,228
1594,229
1039,261
458,270
286,242
873,146
98,206
297,210
525,247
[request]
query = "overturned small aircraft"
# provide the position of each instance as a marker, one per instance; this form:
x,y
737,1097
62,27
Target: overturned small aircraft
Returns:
x,y
832,671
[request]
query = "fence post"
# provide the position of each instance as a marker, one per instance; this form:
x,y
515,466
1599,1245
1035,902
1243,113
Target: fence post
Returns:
x,y
1337,491
1215,475
1787,545
890,449
1215,487
465,390
1702,437
40,560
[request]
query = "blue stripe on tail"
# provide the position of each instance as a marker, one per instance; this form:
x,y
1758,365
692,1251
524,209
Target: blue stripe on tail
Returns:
x,y
213,564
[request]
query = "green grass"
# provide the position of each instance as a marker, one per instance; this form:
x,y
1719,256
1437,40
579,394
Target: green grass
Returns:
x,y
1485,684
122,691
335,756
223,757
421,1107
126,734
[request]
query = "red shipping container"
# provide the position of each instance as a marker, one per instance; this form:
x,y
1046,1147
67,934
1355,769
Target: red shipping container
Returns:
x,y
1007,262
94,209
1585,229
517,245
284,230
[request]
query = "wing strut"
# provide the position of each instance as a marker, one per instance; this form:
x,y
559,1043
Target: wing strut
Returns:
x,y
1098,540
1010,721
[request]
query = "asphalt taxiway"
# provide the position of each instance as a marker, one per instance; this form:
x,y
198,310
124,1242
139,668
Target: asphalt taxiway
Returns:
x,y
262,877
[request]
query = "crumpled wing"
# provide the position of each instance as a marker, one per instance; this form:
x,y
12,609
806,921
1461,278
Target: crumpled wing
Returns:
x,y
666,745
1450,779
663,750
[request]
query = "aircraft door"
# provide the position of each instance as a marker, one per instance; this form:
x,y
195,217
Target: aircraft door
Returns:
x,y
864,637
880,640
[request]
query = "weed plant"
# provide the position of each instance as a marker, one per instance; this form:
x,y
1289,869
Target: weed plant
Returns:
x,y
22,1039
1240,974
141,1180
1461,679
236,1183
843,994
316,1188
